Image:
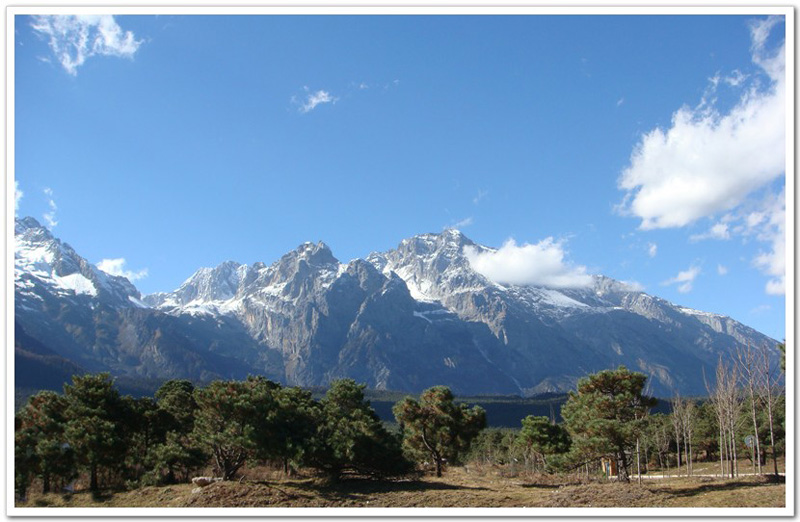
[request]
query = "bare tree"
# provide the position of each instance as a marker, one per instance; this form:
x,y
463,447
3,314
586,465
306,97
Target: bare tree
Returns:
x,y
688,415
727,406
733,407
677,408
662,445
717,402
770,392
751,375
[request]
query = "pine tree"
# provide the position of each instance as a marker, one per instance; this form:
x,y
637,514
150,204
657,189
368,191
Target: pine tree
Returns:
x,y
175,457
295,426
606,413
234,420
41,433
542,438
437,427
95,426
350,437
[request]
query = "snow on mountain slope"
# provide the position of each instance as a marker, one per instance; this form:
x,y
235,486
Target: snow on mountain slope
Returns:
x,y
404,319
43,263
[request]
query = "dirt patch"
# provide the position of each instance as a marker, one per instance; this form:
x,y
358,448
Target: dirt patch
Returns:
x,y
246,494
459,487
607,495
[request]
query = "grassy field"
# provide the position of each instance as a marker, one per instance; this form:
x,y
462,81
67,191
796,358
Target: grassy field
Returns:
x,y
459,487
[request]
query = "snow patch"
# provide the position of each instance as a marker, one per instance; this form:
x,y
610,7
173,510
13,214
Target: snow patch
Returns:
x,y
77,283
422,316
137,302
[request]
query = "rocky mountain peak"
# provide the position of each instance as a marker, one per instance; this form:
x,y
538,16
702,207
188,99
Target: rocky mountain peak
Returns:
x,y
44,263
318,254
29,224
405,319
212,284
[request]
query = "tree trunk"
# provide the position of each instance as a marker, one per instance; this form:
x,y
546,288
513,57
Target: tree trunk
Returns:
x,y
735,462
686,453
772,439
622,466
438,466
46,483
93,477
638,462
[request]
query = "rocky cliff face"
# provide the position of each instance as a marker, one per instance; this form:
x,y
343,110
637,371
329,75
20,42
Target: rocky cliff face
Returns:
x,y
405,319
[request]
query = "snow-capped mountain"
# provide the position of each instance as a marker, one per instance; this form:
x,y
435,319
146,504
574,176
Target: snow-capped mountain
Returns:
x,y
406,319
75,311
43,264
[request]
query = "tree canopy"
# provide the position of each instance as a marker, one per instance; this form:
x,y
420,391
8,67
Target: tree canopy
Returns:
x,y
436,427
605,415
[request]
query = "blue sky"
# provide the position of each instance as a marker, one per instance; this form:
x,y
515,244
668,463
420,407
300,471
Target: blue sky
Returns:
x,y
645,148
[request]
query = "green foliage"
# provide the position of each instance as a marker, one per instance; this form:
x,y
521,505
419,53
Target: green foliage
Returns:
x,y
41,448
494,446
234,421
176,398
295,426
350,437
25,460
436,427
541,439
606,415
170,452
95,427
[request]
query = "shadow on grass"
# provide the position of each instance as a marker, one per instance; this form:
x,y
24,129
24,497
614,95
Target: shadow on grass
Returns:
x,y
101,496
699,489
544,486
354,488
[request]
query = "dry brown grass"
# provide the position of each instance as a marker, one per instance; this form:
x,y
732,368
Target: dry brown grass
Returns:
x,y
460,487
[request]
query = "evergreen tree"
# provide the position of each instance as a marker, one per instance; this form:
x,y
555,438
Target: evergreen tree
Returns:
x,y
350,437
542,438
146,429
95,426
41,436
437,427
234,420
25,460
606,414
176,398
295,426
175,457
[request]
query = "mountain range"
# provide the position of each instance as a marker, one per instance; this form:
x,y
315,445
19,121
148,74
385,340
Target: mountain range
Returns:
x,y
406,319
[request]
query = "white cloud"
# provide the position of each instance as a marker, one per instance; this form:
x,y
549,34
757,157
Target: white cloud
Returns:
x,y
17,197
717,231
481,194
313,99
50,217
722,270
734,79
707,161
652,249
541,264
74,39
632,286
685,279
620,101
463,223
711,162
116,267
772,230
